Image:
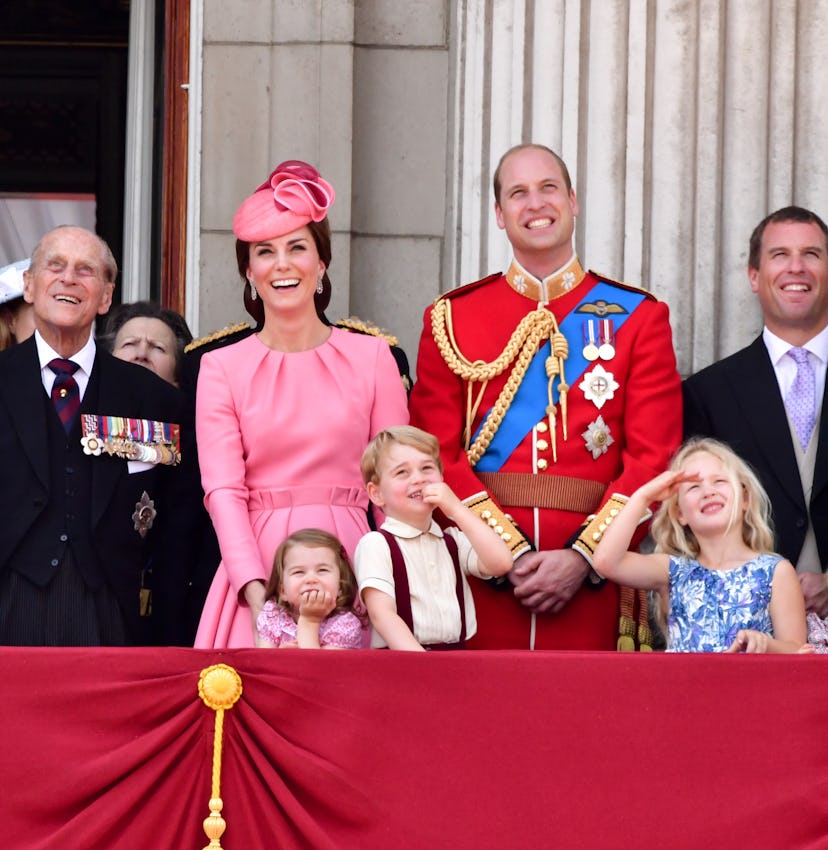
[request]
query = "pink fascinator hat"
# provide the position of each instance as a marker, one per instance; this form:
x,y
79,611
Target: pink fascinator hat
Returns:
x,y
292,196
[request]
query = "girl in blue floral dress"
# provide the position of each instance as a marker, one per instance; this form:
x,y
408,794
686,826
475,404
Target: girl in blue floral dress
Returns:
x,y
721,586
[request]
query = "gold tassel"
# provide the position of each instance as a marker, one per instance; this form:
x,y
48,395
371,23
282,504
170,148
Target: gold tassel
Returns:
x,y
645,634
219,687
626,622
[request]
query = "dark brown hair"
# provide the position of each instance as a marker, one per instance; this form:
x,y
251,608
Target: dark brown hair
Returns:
x,y
795,214
321,233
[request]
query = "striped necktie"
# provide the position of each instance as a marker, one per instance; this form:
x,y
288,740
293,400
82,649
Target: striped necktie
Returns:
x,y
65,393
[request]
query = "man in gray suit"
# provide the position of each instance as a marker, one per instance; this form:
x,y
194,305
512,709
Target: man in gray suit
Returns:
x,y
768,400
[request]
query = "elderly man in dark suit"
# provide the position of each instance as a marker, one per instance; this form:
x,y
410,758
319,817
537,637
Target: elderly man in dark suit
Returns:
x,y
768,400
87,448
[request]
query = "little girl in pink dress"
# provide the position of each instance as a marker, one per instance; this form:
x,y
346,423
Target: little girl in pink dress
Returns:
x,y
310,596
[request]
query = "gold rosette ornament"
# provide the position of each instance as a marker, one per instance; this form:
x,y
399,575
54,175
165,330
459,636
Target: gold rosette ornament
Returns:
x,y
219,687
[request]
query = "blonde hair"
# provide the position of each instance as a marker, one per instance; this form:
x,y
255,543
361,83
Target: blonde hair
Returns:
x,y
757,534
403,435
318,539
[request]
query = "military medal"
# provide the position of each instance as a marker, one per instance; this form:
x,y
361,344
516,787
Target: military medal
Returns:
x,y
606,348
598,386
90,439
590,350
143,440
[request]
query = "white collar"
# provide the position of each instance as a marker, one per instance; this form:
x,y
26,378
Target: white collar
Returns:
x,y
778,347
85,358
402,529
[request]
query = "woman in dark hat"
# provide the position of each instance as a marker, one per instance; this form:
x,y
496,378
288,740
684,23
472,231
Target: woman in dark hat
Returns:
x,y
283,416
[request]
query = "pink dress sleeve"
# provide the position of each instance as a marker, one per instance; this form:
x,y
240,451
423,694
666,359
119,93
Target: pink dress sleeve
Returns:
x,y
390,399
221,457
390,403
342,630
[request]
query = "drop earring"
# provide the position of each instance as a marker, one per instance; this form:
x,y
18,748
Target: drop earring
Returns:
x,y
253,294
319,287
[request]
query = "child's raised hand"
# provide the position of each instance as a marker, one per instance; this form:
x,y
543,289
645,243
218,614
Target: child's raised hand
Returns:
x,y
315,605
749,640
663,486
440,495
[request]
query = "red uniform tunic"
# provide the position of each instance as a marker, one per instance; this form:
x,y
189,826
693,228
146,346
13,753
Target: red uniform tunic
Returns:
x,y
641,417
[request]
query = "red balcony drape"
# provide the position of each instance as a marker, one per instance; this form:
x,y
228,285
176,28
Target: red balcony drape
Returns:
x,y
107,748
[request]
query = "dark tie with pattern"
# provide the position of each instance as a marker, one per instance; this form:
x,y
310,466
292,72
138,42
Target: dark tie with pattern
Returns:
x,y
65,394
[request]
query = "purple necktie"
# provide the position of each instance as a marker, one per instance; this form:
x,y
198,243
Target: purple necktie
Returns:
x,y
800,398
65,394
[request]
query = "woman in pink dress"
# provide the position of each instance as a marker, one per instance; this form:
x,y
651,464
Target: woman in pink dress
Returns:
x,y
283,416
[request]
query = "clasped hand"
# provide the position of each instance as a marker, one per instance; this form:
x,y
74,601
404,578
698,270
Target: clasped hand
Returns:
x,y
544,582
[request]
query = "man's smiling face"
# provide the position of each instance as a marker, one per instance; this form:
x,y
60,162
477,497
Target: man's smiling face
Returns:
x,y
792,280
68,284
537,210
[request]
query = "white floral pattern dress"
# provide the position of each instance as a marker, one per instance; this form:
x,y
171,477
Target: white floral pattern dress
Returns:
x,y
708,607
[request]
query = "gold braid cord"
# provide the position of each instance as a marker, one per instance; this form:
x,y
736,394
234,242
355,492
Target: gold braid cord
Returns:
x,y
532,331
219,687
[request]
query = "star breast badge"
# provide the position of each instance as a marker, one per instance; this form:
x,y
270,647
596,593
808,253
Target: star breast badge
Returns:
x,y
597,438
144,514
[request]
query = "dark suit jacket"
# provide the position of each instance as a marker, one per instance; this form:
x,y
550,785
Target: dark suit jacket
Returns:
x,y
123,389
737,400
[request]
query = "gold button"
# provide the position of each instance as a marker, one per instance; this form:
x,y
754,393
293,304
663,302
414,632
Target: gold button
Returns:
x,y
492,522
542,427
602,527
542,445
499,529
609,520
485,514
506,537
542,463
614,512
596,535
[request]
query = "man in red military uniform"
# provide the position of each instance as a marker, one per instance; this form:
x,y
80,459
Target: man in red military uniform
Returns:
x,y
554,394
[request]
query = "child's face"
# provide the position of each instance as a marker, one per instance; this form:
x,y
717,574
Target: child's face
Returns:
x,y
707,505
403,471
308,568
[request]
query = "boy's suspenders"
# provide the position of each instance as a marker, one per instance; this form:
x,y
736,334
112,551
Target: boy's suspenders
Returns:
x,y
403,593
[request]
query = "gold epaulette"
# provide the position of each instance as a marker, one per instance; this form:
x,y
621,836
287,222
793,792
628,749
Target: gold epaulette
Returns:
x,y
628,286
591,534
483,506
220,334
352,323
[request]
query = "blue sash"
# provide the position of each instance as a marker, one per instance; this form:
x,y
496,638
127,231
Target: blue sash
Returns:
x,y
529,404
